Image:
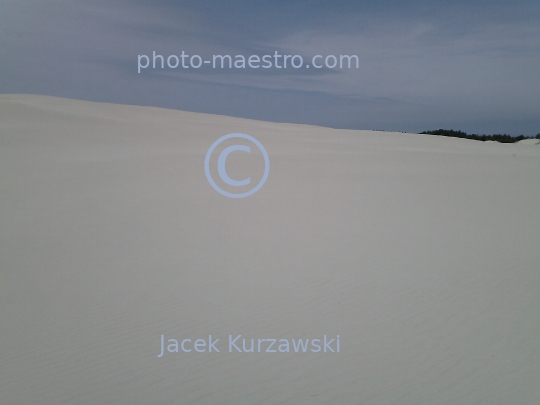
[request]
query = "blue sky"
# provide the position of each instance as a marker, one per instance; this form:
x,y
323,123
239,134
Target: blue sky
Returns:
x,y
468,65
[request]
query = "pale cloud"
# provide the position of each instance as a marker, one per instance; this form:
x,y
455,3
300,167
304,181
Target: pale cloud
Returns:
x,y
421,64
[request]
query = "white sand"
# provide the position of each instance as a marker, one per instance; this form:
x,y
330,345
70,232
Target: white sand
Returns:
x,y
529,142
421,252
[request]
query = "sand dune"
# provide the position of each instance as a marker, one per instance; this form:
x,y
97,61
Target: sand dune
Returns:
x,y
420,252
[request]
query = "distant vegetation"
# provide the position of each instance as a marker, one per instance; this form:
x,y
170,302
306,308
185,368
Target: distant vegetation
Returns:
x,y
503,138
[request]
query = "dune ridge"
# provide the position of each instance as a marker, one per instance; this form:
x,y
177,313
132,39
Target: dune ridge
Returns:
x,y
420,252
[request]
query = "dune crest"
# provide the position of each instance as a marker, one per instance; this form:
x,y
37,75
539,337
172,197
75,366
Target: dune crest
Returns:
x,y
419,252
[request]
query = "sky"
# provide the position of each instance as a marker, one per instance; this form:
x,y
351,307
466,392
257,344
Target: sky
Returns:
x,y
466,65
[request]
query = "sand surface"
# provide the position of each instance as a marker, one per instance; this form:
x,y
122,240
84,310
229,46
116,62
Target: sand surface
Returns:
x,y
421,252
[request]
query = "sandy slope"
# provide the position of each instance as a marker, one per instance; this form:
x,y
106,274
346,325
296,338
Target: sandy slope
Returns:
x,y
421,252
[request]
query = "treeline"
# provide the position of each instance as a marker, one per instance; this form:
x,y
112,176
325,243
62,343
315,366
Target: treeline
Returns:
x,y
503,138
